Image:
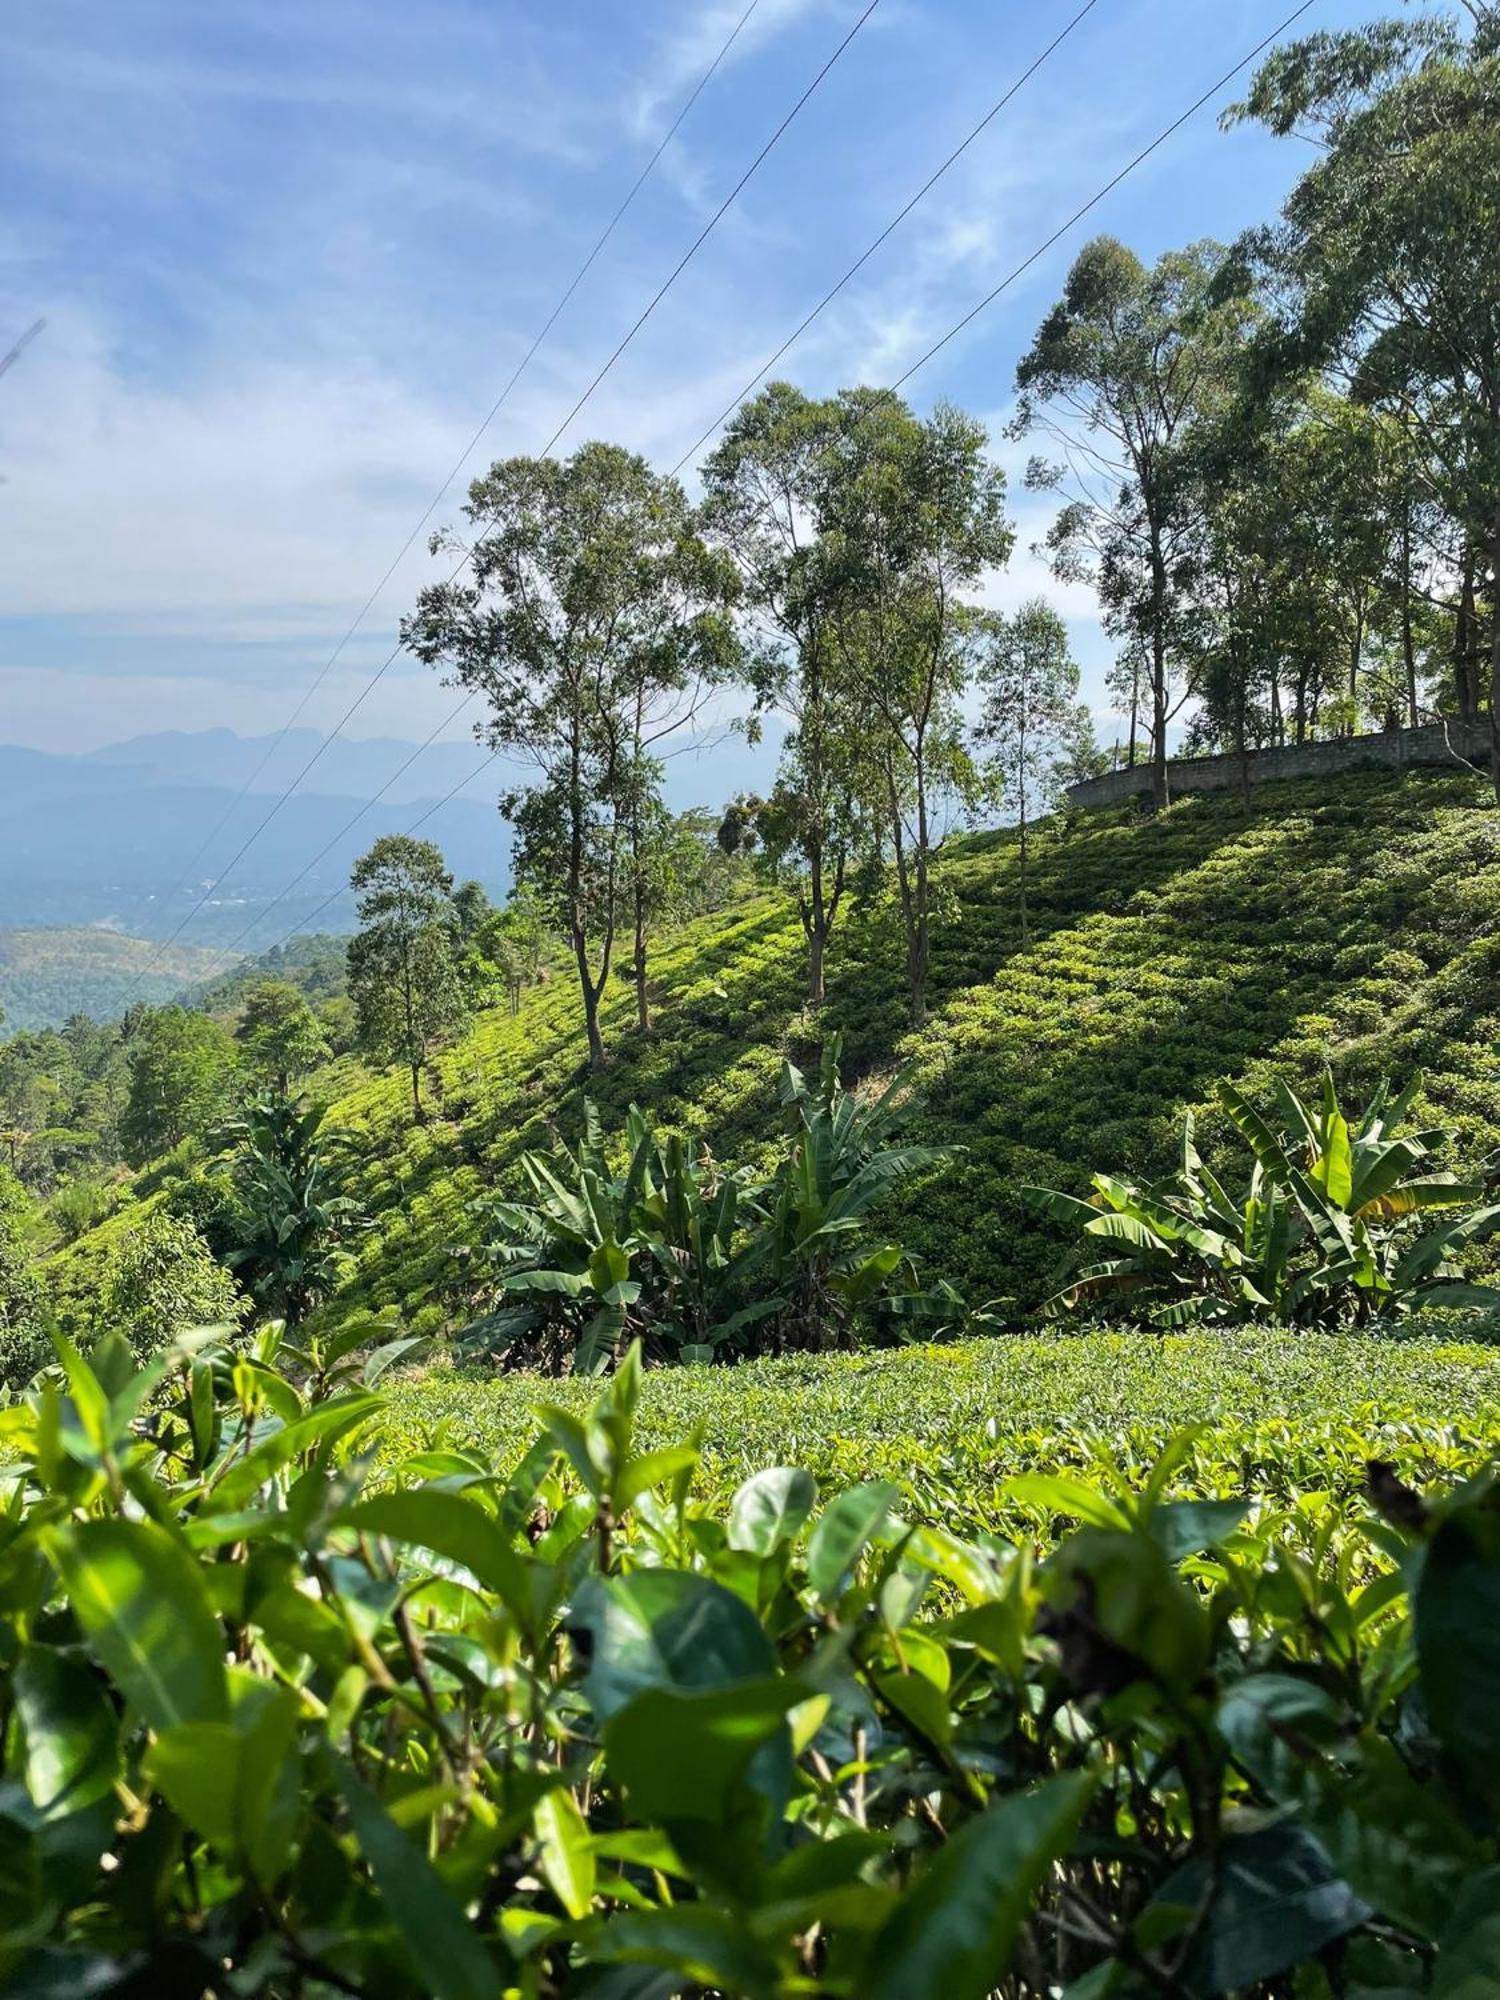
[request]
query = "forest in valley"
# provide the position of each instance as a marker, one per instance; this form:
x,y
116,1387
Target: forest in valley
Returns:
x,y
886,1388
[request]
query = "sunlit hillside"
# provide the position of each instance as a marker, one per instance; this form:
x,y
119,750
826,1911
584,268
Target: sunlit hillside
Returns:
x,y
1359,918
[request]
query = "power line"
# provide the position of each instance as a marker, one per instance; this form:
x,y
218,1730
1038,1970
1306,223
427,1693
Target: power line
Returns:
x,y
1077,215
458,464
619,350
328,902
708,228
20,347
889,230
495,408
349,825
1108,188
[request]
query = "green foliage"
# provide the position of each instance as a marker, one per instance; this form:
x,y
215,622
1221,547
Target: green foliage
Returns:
x,y
182,1075
1354,921
24,1345
161,1281
567,1729
701,1261
51,974
279,1036
592,619
1323,1233
289,1167
404,960
951,1425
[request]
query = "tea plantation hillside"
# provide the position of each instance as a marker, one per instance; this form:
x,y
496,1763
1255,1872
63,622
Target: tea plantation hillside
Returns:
x,y
1357,920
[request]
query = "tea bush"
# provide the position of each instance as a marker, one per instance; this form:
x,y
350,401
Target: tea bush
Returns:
x,y
276,1728
951,1424
1353,919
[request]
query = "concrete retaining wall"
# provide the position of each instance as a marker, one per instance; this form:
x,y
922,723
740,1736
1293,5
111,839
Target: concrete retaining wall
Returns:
x,y
1396,749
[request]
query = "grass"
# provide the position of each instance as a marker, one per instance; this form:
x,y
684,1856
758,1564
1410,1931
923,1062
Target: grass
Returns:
x,y
1280,1413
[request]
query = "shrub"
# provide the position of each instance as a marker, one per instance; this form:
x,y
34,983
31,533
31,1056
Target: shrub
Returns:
x,y
24,1345
162,1281
569,1732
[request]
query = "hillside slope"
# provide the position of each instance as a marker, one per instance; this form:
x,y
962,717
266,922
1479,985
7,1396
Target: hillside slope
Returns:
x,y
46,975
1357,920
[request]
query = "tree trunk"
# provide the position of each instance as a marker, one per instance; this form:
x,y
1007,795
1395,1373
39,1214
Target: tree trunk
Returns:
x,y
816,940
1408,646
1495,659
419,1116
1465,674
817,912
642,1001
1158,674
591,1026
590,989
1025,912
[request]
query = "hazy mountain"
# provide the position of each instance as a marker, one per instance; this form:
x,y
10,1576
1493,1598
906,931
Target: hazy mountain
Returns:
x,y
219,759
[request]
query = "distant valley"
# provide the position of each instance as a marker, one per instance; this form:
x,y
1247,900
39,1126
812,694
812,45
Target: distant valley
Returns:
x,y
100,851
46,975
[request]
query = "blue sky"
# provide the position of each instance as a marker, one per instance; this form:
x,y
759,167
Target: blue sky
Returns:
x,y
288,254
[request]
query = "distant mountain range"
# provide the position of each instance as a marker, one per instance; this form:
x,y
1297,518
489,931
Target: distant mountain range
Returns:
x,y
110,840
103,839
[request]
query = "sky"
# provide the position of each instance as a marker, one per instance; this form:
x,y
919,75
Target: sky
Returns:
x,y
287,256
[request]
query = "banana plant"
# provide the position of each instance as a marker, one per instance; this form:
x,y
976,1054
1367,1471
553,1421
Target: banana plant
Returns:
x,y
695,1258
1323,1233
289,1167
837,1172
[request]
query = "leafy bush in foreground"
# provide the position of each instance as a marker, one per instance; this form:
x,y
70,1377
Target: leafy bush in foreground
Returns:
x,y
1321,1236
699,1260
274,1730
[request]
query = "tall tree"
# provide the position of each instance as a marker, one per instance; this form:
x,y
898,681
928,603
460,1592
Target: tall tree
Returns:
x,y
279,1035
182,1077
1117,373
1032,723
912,516
762,486
404,959
1390,258
594,622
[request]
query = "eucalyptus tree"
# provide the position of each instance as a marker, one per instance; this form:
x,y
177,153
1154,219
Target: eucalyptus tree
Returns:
x,y
762,485
911,514
404,974
1032,724
594,621
1390,257
1118,372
